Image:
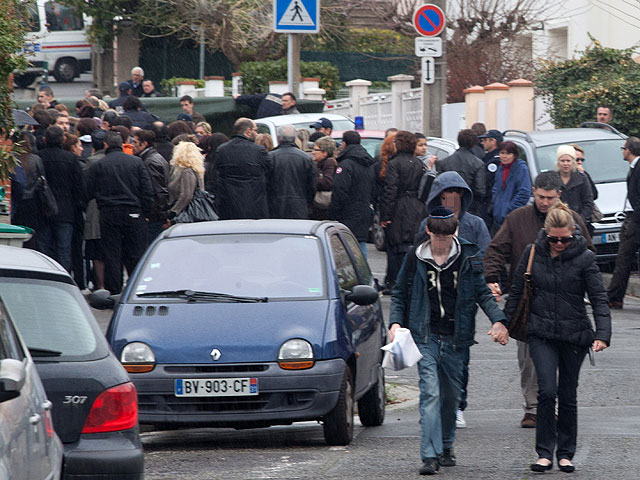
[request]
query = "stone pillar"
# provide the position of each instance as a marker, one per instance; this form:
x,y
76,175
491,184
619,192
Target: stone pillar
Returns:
x,y
187,87
236,83
399,84
128,55
494,92
521,105
308,83
214,86
278,86
357,88
472,98
314,93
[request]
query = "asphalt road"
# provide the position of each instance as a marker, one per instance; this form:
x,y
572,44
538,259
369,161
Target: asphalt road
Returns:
x,y
74,89
493,446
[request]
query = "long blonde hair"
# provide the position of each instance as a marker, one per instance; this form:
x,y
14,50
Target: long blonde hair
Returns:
x,y
559,216
188,155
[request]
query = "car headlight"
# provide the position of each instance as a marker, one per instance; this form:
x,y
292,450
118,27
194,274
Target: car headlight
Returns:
x,y
296,354
137,357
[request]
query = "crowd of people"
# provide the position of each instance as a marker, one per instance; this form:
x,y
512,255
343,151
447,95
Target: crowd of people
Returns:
x,y
121,176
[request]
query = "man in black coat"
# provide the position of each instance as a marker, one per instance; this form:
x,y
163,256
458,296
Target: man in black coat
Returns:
x,y
292,181
144,147
262,104
630,233
122,188
64,175
242,170
134,109
353,188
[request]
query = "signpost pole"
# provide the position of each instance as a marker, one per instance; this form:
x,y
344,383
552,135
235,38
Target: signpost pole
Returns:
x,y
293,63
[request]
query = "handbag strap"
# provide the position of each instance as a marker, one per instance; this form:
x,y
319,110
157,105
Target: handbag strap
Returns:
x,y
530,262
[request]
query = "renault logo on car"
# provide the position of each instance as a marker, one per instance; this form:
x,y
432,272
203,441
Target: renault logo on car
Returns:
x,y
216,354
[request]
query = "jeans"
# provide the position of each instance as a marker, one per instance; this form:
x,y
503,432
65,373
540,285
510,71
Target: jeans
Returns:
x,y
440,372
528,378
558,366
363,247
465,380
54,240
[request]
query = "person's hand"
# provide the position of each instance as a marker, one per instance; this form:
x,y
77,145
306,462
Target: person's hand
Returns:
x,y
431,161
385,224
392,331
495,290
599,345
499,333
579,166
235,95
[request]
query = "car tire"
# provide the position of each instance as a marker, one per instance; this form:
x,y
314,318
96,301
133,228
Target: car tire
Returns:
x,y
338,423
372,405
25,80
65,70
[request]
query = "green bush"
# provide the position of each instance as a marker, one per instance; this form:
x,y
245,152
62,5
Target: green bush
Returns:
x,y
601,76
377,40
168,85
257,75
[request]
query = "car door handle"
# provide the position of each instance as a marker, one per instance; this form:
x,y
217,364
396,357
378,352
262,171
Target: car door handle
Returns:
x,y
35,419
47,405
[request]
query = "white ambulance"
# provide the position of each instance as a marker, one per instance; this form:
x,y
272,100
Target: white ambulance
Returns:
x,y
57,35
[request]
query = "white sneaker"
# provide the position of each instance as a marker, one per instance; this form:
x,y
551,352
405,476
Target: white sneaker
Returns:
x,y
460,422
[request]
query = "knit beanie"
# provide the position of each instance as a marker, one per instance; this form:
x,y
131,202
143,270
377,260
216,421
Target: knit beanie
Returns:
x,y
566,150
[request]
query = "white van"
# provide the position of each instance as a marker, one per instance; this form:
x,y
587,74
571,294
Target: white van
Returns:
x,y
57,35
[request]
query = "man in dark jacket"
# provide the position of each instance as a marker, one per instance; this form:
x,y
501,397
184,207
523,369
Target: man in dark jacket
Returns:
x,y
353,188
64,175
490,142
158,168
134,109
292,181
122,188
468,166
125,90
242,169
261,104
519,229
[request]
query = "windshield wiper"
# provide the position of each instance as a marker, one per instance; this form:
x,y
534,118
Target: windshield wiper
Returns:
x,y
43,352
194,296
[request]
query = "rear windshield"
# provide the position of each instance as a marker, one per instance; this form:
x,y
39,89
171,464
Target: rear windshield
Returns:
x,y
263,265
52,316
603,160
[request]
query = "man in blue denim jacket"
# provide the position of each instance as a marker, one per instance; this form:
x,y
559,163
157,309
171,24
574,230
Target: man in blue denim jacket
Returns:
x,y
435,295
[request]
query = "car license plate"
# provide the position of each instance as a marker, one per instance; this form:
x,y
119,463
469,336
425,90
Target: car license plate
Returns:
x,y
216,387
611,237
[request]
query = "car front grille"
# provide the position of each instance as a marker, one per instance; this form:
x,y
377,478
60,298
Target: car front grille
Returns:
x,y
606,248
191,369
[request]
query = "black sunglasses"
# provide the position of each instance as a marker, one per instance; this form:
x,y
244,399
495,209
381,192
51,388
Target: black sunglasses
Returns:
x,y
563,240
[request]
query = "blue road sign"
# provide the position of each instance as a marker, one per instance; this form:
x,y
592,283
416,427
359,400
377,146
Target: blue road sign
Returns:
x,y
428,20
296,16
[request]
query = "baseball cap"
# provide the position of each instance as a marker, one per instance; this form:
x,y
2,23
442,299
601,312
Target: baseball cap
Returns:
x,y
497,134
124,86
322,123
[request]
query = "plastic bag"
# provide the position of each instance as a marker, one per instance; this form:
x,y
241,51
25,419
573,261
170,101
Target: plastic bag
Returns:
x,y
402,352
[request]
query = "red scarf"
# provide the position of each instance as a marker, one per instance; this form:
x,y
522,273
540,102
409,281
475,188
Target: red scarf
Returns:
x,y
506,169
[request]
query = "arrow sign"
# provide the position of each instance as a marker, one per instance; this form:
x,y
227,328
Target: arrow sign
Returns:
x,y
428,46
428,70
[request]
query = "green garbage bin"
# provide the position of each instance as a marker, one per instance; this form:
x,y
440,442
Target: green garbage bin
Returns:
x,y
14,235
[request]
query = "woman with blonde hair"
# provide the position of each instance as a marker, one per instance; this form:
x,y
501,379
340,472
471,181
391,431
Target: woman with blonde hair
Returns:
x,y
187,174
576,190
303,139
559,331
203,129
265,140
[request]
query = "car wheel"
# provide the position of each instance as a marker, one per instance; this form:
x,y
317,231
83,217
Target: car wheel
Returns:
x,y
371,406
24,80
377,232
338,423
65,70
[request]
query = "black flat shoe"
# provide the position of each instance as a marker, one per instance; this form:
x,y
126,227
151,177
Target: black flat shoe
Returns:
x,y
566,468
538,467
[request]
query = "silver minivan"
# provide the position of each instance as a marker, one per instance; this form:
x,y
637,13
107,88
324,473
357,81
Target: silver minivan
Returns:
x,y
29,446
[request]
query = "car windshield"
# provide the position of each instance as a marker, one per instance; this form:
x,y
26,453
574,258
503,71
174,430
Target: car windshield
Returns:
x,y
603,160
53,318
274,266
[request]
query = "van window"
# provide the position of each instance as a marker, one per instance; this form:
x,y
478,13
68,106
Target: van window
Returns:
x,y
62,18
32,21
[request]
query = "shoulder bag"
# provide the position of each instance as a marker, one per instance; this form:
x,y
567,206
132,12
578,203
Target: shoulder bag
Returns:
x,y
518,325
45,199
201,208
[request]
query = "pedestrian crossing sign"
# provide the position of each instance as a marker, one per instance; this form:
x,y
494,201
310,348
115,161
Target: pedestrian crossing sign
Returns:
x,y
296,16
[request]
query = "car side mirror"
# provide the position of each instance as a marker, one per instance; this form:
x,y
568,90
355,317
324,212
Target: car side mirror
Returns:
x,y
103,300
362,295
12,378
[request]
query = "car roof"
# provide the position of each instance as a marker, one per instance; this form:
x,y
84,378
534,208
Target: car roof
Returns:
x,y
269,226
300,118
363,133
15,258
563,135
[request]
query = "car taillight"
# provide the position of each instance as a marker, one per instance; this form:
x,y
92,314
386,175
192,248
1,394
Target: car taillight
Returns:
x,y
114,409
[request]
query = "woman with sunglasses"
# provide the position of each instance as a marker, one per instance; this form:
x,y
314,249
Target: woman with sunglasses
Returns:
x,y
576,189
559,331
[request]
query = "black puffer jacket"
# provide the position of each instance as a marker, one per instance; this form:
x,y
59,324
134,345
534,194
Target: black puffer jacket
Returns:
x,y
64,174
353,187
577,193
400,202
557,310
292,185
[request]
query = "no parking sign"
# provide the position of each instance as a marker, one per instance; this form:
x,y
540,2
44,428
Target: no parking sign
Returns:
x,y
428,20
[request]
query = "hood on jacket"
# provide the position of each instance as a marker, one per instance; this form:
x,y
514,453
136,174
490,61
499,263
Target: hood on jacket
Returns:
x,y
575,248
358,153
449,180
423,252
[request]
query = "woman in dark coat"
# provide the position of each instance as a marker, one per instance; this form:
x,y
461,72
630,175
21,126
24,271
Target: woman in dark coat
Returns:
x,y
559,331
576,189
324,161
401,211
208,146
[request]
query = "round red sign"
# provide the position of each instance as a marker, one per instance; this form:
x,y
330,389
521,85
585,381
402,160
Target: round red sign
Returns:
x,y
428,20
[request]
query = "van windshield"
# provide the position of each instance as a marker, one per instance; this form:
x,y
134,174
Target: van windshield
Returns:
x,y
62,18
603,160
